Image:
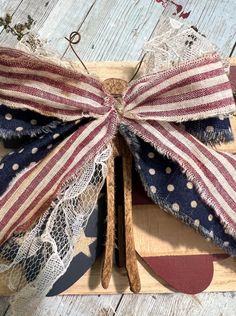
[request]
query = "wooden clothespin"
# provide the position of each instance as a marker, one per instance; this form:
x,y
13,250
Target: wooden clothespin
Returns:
x,y
116,87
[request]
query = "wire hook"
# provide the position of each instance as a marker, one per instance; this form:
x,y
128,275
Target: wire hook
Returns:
x,y
74,39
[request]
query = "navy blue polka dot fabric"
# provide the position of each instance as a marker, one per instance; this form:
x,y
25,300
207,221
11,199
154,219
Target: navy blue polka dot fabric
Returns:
x,y
169,187
211,130
33,137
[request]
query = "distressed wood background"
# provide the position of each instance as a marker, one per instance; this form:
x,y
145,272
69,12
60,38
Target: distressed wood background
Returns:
x,y
117,30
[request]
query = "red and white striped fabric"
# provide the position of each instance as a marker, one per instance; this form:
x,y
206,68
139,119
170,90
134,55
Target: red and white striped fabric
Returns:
x,y
198,89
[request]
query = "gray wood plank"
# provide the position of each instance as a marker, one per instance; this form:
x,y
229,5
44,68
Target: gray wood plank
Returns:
x,y
73,306
204,304
10,7
63,19
117,30
39,11
214,18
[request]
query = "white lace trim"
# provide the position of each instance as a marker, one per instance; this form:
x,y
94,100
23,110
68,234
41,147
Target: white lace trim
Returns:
x,y
32,262
175,43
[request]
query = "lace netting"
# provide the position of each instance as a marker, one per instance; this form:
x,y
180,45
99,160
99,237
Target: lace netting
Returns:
x,y
174,43
30,263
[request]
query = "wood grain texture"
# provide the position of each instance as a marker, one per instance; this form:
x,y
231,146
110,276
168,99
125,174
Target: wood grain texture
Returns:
x,y
64,18
214,304
38,10
73,306
118,31
9,6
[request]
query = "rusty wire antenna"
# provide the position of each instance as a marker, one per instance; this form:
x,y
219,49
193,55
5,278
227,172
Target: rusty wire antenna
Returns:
x,y
138,68
74,39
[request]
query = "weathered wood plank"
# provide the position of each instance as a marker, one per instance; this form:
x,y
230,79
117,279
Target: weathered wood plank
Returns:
x,y
118,30
91,305
216,304
9,6
65,18
212,304
215,19
39,11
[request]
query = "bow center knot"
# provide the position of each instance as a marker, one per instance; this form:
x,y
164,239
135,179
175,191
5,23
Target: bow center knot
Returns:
x,y
116,87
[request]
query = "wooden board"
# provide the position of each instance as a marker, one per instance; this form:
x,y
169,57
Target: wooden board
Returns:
x,y
156,232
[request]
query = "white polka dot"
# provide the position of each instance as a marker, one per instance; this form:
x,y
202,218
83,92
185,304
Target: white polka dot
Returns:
x,y
189,185
197,222
15,166
11,153
211,234
34,150
49,146
193,204
153,189
137,156
226,243
175,207
210,129
21,151
19,129
55,136
2,166
8,116
151,155
139,167
77,121
34,122
170,187
221,117
168,170
41,137
152,171
210,217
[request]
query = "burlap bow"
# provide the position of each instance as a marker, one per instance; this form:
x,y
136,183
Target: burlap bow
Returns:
x,y
150,107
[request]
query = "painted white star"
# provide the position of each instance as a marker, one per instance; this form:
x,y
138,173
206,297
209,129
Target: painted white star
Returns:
x,y
83,245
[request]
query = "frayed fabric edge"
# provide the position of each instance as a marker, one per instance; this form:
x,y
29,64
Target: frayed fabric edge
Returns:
x,y
167,207
9,134
212,138
208,200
